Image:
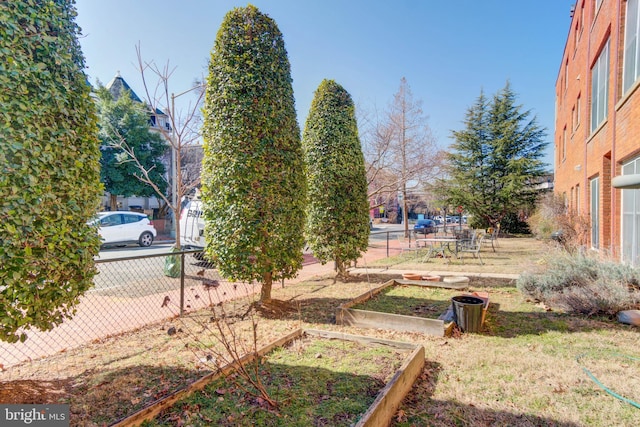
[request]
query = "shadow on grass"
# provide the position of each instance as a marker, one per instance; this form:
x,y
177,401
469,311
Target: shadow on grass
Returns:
x,y
420,409
511,324
317,388
98,398
500,323
312,396
101,396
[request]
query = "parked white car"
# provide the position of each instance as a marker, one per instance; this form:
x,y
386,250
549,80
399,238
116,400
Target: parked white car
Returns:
x,y
122,227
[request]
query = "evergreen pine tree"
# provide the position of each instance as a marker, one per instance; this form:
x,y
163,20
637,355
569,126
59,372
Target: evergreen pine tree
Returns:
x,y
496,159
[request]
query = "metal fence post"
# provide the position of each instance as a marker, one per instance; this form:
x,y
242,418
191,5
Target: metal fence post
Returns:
x,y
387,244
181,283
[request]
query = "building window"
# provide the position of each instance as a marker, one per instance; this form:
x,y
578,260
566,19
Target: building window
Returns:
x,y
573,118
578,199
564,143
581,18
578,111
599,88
595,212
631,56
572,202
566,75
630,238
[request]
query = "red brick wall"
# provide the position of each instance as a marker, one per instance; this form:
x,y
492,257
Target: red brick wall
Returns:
x,y
618,139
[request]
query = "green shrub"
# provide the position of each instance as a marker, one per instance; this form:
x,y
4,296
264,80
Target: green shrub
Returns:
x,y
253,182
337,226
49,160
584,283
512,224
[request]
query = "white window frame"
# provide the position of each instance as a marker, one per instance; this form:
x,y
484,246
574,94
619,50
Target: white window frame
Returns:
x,y
578,100
630,218
594,185
600,88
631,67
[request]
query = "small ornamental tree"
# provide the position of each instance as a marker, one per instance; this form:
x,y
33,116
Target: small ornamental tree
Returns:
x,y
50,177
337,225
253,184
124,128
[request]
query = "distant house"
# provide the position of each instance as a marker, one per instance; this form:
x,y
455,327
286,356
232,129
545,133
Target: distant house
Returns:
x,y
544,183
117,86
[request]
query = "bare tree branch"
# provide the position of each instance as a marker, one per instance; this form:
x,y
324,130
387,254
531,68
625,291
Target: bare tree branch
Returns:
x,y
182,132
400,151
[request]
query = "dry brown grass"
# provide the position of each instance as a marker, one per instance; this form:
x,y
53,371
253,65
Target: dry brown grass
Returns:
x,y
521,370
512,255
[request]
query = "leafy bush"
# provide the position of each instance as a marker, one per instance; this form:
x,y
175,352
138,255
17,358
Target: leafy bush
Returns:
x,y
338,210
253,182
478,223
512,223
49,160
584,283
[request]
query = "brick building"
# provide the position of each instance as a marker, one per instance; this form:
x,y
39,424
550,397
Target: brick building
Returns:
x,y
597,129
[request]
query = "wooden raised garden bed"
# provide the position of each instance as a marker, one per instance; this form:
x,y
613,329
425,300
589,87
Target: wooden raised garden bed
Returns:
x,y
379,413
346,315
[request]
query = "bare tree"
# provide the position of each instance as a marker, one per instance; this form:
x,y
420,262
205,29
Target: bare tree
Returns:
x,y
376,142
400,150
181,131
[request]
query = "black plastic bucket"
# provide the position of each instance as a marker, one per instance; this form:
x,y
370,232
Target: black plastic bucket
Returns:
x,y
467,312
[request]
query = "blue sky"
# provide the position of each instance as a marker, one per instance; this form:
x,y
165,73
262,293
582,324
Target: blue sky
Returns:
x,y
447,50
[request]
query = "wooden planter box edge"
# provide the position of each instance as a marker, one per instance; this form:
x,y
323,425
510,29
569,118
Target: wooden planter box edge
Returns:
x,y
378,414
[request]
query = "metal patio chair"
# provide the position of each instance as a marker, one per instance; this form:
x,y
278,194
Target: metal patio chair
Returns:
x,y
472,246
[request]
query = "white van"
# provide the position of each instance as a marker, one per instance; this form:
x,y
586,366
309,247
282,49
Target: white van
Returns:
x,y
192,225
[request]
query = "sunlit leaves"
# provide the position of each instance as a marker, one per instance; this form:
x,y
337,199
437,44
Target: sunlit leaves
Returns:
x,y
49,183
124,122
495,159
337,225
252,180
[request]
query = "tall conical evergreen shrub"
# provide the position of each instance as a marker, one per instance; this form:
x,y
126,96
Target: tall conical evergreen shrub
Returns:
x,y
50,177
253,183
337,225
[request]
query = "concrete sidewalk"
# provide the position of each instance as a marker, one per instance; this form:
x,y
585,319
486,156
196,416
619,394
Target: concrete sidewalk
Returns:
x,y
313,268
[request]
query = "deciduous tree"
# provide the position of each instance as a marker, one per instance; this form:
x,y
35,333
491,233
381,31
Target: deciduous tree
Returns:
x,y
254,189
401,152
337,212
49,160
182,135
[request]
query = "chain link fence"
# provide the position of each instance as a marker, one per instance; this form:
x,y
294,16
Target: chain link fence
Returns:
x,y
129,293
134,292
